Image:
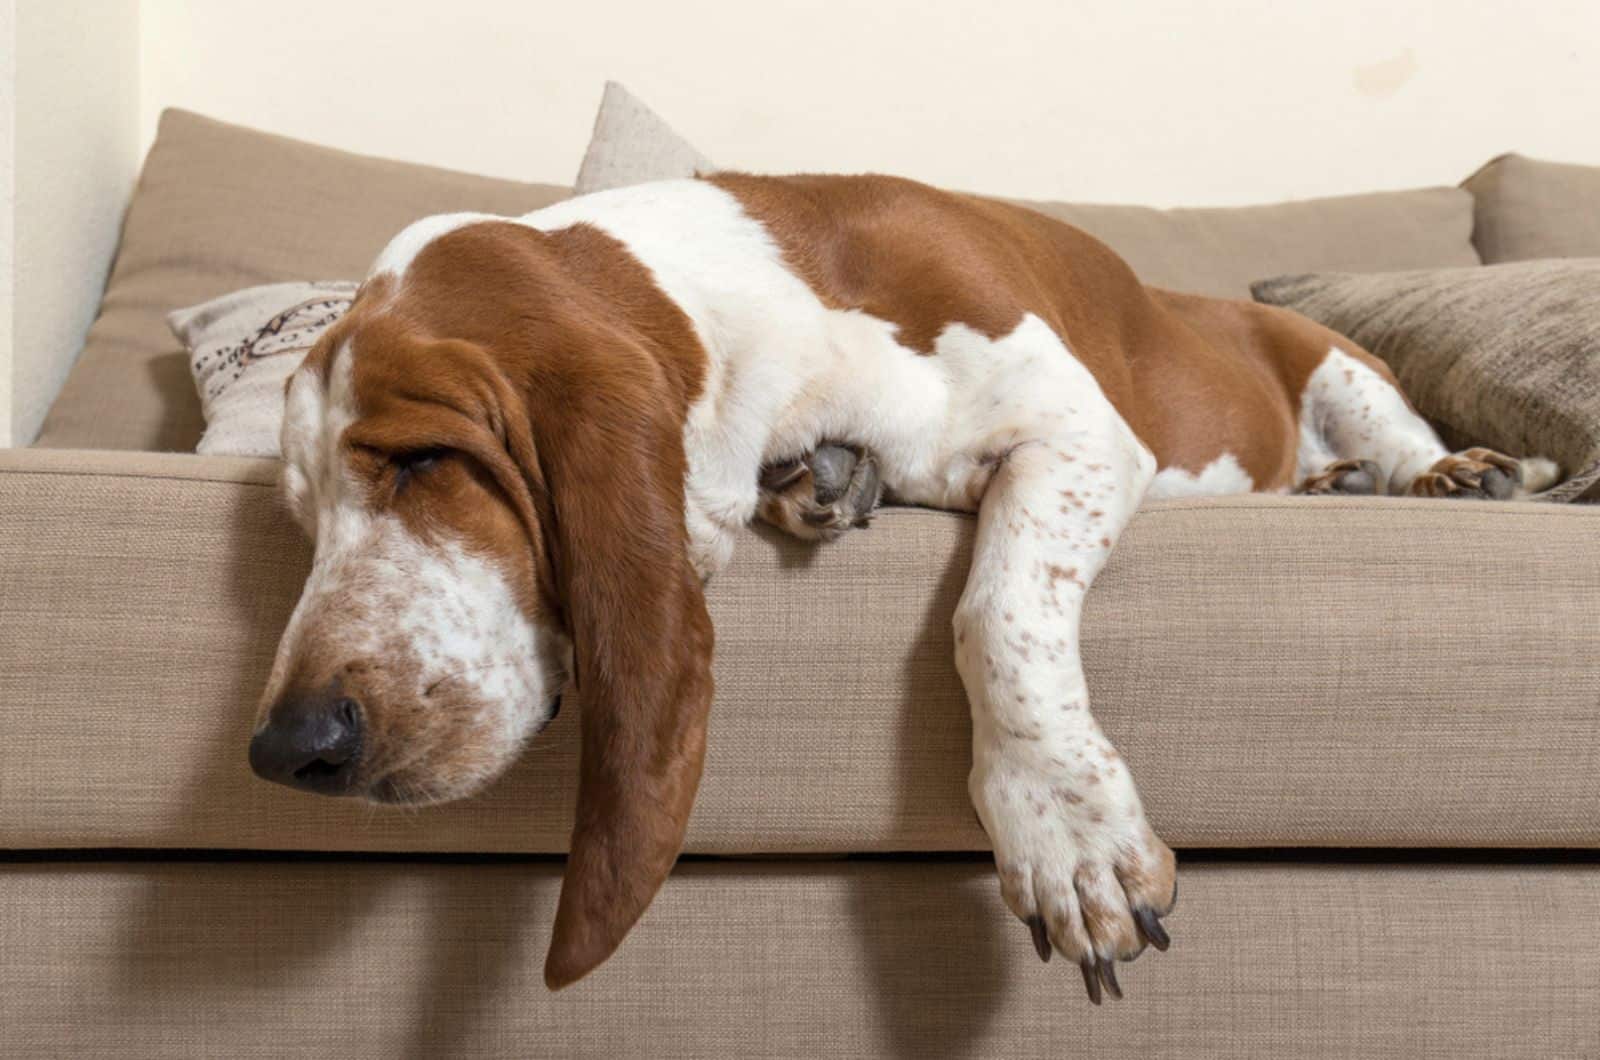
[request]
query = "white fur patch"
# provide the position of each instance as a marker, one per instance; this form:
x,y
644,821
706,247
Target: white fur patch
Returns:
x,y
1350,412
1539,474
786,372
1221,477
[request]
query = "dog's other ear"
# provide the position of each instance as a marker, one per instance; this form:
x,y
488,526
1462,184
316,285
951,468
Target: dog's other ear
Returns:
x,y
611,451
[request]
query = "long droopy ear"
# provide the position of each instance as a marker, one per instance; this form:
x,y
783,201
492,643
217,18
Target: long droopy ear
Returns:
x,y
611,452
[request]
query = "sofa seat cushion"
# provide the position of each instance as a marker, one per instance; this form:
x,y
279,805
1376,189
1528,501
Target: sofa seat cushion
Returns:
x,y
1314,959
219,207
1278,671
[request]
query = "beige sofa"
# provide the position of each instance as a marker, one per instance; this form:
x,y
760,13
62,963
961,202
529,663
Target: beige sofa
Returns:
x,y
1372,729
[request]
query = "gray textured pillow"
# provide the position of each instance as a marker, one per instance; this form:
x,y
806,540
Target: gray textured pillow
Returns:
x,y
1506,356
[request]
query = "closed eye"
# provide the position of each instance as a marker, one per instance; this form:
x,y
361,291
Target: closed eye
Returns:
x,y
411,463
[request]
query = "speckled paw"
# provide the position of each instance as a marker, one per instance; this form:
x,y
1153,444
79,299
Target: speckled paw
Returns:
x,y
1081,868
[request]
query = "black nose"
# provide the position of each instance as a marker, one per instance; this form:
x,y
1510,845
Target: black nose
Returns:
x,y
311,744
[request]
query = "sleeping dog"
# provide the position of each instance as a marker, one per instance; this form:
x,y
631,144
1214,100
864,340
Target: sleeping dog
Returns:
x,y
531,440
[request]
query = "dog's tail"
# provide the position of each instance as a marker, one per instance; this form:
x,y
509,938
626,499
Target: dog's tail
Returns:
x,y
1538,474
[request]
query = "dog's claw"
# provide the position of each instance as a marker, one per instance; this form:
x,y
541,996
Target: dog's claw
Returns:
x,y
1091,978
1041,938
1108,974
1150,927
777,477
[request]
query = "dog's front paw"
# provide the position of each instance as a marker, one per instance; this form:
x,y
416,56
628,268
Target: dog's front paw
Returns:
x,y
1078,862
822,494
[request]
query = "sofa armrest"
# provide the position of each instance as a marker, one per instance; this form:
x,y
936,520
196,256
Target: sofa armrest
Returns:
x,y
140,595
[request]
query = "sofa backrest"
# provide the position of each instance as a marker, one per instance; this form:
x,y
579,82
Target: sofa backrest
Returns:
x,y
1221,252
219,207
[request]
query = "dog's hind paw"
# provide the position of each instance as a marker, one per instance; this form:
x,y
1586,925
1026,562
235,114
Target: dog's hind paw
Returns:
x,y
1351,477
1483,474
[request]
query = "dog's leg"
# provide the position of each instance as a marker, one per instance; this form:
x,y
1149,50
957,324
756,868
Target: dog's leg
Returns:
x,y
822,494
1078,862
1358,434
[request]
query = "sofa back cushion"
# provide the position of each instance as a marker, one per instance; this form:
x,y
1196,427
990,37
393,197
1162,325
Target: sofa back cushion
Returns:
x,y
1530,209
220,207
1218,252
1221,251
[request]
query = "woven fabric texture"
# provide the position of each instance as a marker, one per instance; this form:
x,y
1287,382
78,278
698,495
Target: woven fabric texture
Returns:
x,y
1423,961
1277,671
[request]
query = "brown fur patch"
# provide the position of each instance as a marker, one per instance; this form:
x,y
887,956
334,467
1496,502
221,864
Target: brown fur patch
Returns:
x,y
1194,377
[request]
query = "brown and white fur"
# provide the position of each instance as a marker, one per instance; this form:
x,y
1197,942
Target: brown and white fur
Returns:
x,y
532,439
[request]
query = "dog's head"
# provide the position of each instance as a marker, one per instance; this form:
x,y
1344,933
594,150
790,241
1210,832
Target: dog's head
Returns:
x,y
488,454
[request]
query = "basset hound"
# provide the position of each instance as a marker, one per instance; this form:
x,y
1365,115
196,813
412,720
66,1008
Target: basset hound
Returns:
x,y
531,440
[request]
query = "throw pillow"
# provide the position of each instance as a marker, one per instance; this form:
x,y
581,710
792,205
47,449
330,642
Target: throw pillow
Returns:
x,y
1528,209
242,347
631,144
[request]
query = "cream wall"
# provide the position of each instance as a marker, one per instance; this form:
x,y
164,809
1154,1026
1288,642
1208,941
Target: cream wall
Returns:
x,y
1156,101
1159,101
8,202
69,149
